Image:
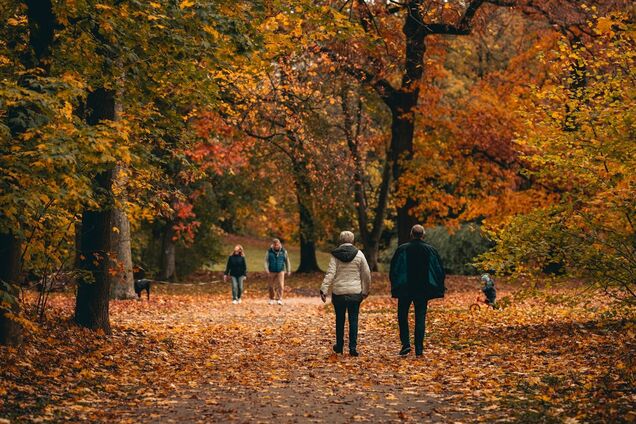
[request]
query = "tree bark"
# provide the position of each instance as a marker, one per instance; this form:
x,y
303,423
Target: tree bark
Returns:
x,y
93,292
308,261
121,282
11,331
167,261
41,34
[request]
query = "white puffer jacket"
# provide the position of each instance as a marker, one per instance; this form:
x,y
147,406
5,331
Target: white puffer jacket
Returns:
x,y
348,272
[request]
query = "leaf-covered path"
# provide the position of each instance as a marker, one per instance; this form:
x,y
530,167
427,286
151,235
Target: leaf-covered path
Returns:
x,y
189,355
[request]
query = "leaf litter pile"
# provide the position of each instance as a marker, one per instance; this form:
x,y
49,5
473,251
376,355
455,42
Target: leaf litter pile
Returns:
x,y
189,355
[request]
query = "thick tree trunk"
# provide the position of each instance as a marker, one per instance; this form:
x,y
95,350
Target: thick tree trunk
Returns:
x,y
121,282
308,261
167,261
41,33
93,292
11,332
403,104
402,151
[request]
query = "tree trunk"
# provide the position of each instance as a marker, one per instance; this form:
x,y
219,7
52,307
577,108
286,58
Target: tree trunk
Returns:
x,y
41,33
402,127
11,332
167,261
308,261
93,292
402,105
121,282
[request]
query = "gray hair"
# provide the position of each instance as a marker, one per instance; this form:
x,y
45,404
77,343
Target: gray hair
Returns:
x,y
346,237
274,241
417,232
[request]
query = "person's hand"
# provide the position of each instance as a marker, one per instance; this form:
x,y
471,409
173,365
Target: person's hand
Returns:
x,y
224,278
323,297
288,273
267,271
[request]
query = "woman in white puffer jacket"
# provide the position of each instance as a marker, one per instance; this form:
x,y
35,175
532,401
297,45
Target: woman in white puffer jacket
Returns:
x,y
348,277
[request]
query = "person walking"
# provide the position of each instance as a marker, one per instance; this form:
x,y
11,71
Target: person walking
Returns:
x,y
348,278
276,265
417,275
236,268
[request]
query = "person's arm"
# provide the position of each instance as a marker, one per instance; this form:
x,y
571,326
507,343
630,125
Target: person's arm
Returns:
x,y
267,262
365,276
227,269
244,266
329,277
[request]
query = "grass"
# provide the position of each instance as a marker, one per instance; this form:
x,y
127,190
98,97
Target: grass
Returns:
x,y
255,249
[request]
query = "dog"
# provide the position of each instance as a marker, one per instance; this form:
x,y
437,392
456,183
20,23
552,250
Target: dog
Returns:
x,y
141,283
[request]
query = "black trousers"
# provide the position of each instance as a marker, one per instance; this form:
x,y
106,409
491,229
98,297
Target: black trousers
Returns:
x,y
342,306
404,304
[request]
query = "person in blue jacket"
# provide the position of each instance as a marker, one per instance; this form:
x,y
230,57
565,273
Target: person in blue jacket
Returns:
x,y
276,265
417,275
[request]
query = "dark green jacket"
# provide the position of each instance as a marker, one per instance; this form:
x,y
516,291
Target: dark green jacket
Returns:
x,y
417,271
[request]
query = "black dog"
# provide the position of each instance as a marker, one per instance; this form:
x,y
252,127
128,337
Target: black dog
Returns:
x,y
141,283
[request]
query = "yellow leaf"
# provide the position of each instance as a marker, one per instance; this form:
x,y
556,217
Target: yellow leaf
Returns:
x,y
186,3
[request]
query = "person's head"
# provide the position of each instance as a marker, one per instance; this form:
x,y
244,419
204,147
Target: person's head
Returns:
x,y
346,237
238,250
417,232
276,244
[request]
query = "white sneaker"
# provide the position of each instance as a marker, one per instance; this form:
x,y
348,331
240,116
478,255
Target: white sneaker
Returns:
x,y
234,302
271,301
280,302
239,301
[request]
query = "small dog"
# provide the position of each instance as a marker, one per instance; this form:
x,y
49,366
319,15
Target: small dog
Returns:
x,y
141,283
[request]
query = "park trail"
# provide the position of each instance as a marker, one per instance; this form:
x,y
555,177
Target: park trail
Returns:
x,y
189,355
271,363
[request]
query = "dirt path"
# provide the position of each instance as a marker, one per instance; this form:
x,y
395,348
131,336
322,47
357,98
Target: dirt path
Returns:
x,y
274,363
189,355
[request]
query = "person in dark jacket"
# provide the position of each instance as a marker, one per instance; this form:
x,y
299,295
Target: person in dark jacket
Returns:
x,y
417,275
236,268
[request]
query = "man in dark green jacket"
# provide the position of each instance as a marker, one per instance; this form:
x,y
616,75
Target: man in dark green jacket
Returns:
x,y
417,275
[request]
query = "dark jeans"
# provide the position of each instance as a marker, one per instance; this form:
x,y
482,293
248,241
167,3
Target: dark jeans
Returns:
x,y
352,307
404,304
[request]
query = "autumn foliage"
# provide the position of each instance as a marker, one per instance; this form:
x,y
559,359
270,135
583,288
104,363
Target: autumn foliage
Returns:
x,y
147,135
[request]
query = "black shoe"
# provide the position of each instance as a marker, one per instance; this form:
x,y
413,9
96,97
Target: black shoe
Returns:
x,y
405,351
419,354
353,352
337,349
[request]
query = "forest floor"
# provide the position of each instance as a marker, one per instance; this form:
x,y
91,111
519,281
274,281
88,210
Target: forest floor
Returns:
x,y
189,355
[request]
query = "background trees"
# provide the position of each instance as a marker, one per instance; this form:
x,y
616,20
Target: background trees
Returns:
x,y
141,131
580,143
